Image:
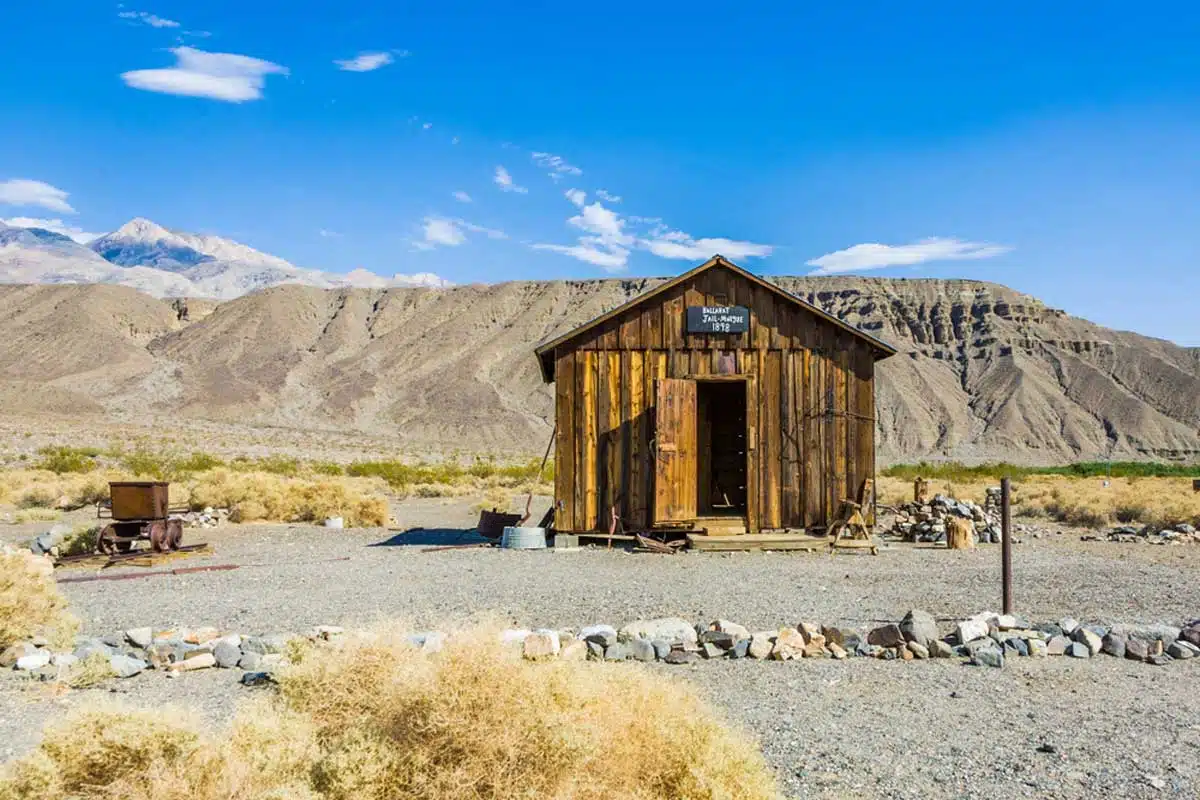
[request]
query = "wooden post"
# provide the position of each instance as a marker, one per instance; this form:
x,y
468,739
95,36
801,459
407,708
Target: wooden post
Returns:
x,y
1006,543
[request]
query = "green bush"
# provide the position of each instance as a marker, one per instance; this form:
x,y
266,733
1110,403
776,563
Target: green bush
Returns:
x,y
956,471
67,459
197,462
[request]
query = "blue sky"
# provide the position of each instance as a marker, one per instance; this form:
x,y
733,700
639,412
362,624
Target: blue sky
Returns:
x,y
1056,151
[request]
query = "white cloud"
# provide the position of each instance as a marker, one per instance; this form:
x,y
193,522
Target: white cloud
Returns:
x,y
603,195
420,279
454,140
219,76
365,62
556,164
612,259
23,192
505,182
53,225
328,234
606,244
447,232
877,256
148,19
576,196
463,197
427,126
666,243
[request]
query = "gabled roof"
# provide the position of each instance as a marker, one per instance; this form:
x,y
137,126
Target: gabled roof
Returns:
x,y
545,352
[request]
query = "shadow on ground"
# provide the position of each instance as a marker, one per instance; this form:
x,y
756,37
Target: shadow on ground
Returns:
x,y
432,537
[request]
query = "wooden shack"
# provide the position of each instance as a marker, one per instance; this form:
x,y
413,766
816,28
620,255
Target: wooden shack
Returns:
x,y
716,401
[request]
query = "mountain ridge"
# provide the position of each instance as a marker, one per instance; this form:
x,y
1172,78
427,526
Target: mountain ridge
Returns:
x,y
983,373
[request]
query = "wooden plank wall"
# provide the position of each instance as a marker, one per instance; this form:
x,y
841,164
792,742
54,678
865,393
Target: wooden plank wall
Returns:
x,y
812,390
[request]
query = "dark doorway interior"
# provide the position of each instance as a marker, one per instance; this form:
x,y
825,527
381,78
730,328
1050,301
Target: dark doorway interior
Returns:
x,y
721,419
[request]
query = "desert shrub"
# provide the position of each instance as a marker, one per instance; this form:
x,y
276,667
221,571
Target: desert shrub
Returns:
x,y
30,603
376,718
327,468
80,541
196,462
90,671
261,496
67,459
149,460
36,515
962,473
38,497
275,465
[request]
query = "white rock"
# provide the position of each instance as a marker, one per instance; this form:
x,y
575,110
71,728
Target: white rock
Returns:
x,y
514,636
971,629
34,661
63,659
671,629
140,637
555,640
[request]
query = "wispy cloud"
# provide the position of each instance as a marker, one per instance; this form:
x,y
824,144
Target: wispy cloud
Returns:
x,y
611,198
666,243
609,238
505,182
328,234
604,242
557,165
23,192
451,232
463,197
878,256
148,19
53,225
365,62
218,76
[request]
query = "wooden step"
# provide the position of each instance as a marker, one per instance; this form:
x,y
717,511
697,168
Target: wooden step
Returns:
x,y
722,526
758,541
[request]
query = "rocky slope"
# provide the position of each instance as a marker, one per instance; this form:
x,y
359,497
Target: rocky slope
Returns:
x,y
984,372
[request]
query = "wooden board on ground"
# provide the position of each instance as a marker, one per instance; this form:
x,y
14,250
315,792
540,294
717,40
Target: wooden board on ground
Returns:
x,y
757,541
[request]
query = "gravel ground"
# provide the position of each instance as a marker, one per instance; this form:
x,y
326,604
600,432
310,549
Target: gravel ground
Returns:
x,y
847,729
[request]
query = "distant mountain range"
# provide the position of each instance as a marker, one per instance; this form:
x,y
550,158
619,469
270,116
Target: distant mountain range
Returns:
x,y
166,263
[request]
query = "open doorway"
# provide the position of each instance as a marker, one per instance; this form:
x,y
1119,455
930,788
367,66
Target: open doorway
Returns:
x,y
721,460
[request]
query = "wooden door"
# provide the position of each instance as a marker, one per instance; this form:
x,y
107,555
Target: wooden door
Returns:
x,y
676,478
752,487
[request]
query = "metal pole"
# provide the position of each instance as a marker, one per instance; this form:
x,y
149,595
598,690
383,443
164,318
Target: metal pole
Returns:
x,y
1006,543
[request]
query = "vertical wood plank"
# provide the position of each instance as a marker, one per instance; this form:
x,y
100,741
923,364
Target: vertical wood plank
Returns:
x,y
672,322
738,296
693,296
841,434
630,336
791,444
811,473
652,326
616,444
675,468
590,455
610,340
564,442
772,406
603,441
637,439
753,505
581,413
764,309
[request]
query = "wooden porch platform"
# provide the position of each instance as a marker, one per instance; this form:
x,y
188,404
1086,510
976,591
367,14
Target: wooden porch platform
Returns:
x,y
758,541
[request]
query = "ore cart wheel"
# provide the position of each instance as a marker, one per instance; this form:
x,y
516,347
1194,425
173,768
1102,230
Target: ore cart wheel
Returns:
x,y
105,540
158,536
174,533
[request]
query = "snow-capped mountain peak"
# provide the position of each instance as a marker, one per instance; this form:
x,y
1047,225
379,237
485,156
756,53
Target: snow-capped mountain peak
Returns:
x,y
168,263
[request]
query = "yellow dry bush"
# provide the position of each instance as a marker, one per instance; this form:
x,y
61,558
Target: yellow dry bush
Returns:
x,y
36,515
1074,500
93,670
478,721
30,603
263,496
376,718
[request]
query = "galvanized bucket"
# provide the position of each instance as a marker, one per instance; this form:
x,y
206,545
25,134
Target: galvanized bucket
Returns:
x,y
524,538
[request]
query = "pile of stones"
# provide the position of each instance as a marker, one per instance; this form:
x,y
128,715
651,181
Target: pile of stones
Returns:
x,y
1182,533
926,522
208,518
986,639
134,651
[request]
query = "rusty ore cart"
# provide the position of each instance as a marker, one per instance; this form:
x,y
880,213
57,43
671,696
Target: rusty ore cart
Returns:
x,y
140,512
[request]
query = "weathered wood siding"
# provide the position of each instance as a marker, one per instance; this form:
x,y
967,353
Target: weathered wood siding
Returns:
x,y
811,405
